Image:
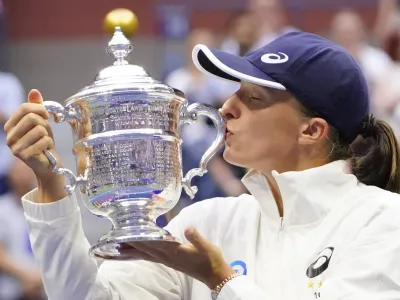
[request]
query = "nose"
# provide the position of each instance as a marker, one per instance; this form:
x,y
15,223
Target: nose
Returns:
x,y
230,109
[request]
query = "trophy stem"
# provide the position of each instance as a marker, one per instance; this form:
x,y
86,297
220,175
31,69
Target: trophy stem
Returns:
x,y
130,225
131,217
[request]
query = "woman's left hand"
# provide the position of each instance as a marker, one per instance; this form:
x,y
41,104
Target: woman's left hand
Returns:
x,y
200,259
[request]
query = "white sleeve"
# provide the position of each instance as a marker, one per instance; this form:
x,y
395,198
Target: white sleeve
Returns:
x,y
61,251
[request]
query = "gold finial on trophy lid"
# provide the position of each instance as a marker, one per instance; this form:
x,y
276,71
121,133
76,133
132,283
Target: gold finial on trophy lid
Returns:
x,y
123,18
122,24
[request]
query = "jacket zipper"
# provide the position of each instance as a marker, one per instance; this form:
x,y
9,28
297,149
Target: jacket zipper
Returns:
x,y
282,256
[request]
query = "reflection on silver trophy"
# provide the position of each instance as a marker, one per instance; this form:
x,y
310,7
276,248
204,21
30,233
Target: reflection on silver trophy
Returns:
x,y
128,149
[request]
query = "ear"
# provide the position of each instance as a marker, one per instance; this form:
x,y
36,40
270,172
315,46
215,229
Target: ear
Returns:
x,y
313,130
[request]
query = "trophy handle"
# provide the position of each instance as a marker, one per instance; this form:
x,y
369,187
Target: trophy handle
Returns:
x,y
62,114
191,116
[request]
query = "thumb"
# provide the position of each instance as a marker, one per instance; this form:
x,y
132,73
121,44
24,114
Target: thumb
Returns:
x,y
194,237
35,96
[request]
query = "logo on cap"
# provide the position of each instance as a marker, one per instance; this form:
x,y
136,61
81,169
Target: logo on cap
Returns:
x,y
273,58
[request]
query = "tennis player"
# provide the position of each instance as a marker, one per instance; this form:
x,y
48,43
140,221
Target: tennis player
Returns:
x,y
323,217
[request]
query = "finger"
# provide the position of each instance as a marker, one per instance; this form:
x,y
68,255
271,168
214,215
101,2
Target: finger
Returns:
x,y
194,237
27,123
24,110
163,245
135,254
150,249
36,149
29,139
170,253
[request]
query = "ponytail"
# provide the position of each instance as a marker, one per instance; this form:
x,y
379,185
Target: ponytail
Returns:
x,y
376,157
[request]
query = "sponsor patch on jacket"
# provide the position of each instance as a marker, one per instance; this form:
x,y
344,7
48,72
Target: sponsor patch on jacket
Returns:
x,y
315,270
239,267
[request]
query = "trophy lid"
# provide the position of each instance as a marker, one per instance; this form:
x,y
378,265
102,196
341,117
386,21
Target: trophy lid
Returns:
x,y
121,76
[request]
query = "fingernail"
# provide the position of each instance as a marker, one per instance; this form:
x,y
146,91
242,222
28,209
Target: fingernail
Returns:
x,y
35,97
190,231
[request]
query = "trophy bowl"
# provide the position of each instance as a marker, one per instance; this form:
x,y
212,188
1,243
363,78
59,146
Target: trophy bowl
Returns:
x,y
128,149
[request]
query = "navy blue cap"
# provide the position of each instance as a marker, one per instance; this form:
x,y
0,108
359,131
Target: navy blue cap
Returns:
x,y
323,76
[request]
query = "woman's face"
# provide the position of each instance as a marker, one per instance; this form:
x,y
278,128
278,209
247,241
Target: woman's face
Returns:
x,y
266,128
347,29
243,29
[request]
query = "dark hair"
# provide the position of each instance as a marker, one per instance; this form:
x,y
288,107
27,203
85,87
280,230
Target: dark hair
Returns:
x,y
374,157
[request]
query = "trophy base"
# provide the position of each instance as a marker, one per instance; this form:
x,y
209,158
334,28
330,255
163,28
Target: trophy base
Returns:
x,y
109,245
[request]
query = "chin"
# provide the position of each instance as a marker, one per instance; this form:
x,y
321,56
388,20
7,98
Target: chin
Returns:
x,y
236,160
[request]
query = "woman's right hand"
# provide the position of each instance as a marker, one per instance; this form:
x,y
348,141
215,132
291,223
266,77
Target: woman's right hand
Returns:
x,y
28,135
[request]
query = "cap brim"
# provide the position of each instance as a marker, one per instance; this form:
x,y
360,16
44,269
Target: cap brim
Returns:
x,y
230,67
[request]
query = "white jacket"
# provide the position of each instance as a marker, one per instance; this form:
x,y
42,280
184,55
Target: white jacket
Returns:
x,y
338,240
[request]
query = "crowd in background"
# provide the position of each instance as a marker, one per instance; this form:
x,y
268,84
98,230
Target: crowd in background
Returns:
x,y
376,49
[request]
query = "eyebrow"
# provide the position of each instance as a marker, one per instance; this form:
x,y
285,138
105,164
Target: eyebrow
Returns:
x,y
276,94
267,91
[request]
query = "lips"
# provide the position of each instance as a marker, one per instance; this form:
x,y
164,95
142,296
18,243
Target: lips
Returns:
x,y
228,133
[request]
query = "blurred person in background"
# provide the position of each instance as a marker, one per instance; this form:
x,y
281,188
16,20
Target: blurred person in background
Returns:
x,y
19,276
271,18
199,88
188,79
348,30
12,95
241,35
387,20
386,97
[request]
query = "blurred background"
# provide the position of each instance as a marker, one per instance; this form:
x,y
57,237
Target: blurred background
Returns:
x,y
59,46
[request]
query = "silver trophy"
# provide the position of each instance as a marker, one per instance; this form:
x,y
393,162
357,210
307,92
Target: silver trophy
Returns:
x,y
128,149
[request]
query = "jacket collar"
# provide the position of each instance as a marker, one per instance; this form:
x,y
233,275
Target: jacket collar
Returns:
x,y
308,196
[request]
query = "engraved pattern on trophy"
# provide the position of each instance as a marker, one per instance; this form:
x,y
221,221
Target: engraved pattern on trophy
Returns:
x,y
140,165
128,149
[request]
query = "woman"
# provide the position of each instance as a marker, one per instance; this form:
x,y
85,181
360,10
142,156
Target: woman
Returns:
x,y
19,277
322,220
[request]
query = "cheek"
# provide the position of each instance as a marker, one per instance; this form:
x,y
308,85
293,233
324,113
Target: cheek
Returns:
x,y
272,135
266,136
